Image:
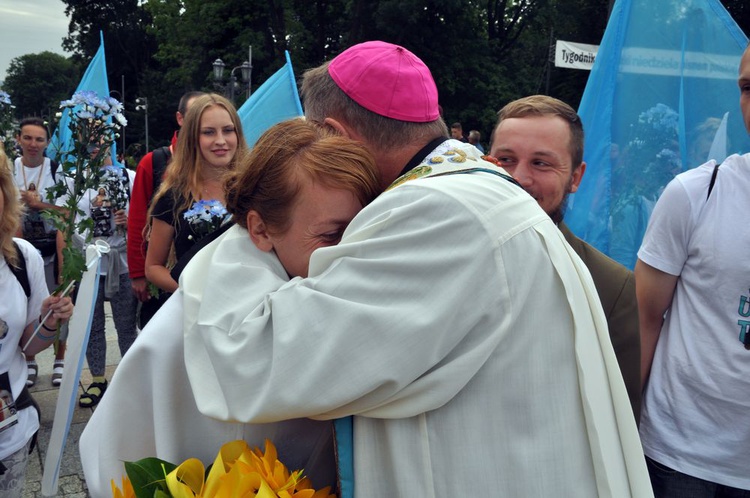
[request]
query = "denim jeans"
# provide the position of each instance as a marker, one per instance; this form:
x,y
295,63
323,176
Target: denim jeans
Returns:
x,y
669,483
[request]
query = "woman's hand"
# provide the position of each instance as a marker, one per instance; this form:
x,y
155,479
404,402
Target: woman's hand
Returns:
x,y
62,309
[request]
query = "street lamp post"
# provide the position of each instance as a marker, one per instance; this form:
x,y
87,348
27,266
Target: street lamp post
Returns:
x,y
142,105
246,72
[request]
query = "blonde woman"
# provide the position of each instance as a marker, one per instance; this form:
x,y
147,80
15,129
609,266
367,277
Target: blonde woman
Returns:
x,y
190,202
25,303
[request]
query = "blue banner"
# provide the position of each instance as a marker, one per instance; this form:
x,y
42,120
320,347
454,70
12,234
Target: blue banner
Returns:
x,y
274,101
662,98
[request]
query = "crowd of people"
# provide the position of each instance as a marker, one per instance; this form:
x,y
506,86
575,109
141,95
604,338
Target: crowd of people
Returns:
x,y
399,311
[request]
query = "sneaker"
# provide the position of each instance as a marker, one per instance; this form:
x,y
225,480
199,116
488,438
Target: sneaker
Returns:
x,y
57,372
33,371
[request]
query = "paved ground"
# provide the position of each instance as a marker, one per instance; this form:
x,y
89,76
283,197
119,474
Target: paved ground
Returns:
x,y
71,482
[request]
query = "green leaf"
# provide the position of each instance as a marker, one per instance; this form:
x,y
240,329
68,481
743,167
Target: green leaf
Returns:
x,y
148,477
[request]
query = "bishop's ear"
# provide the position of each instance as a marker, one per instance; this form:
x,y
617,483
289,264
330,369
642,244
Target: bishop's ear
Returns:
x,y
339,126
258,231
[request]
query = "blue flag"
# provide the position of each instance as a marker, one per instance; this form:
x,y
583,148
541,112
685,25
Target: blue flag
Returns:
x,y
95,80
274,101
662,98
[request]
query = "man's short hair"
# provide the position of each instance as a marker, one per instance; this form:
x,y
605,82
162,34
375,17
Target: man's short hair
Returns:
x,y
542,105
182,106
474,135
323,98
456,126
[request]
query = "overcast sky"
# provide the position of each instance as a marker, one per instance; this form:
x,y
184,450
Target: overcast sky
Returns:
x,y
30,27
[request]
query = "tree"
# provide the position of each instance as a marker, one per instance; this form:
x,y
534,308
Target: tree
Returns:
x,y
740,11
128,46
482,53
38,83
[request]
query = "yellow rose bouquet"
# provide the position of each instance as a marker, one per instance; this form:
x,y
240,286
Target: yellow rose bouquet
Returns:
x,y
238,471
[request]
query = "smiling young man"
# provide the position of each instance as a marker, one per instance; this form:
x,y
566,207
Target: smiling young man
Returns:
x,y
35,174
539,140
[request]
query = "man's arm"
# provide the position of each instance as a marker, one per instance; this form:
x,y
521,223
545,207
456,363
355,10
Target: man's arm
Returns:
x,y
39,199
623,324
654,290
142,190
33,200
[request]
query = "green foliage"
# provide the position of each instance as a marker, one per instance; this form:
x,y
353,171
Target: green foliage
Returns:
x,y
482,54
129,50
740,11
7,123
148,477
38,82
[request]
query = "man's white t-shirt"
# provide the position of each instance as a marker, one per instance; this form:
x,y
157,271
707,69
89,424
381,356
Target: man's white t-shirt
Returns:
x,y
697,402
38,178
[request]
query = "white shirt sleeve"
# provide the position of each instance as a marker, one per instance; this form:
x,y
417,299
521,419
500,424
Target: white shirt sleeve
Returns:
x,y
665,242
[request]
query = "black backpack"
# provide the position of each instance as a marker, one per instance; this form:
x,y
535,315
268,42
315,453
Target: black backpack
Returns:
x,y
20,271
53,168
159,160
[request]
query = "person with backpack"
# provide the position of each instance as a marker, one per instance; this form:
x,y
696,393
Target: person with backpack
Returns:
x,y
148,177
109,221
24,308
190,203
35,174
691,282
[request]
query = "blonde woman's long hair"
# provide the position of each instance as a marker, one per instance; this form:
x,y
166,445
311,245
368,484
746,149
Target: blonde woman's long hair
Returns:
x,y
183,174
12,211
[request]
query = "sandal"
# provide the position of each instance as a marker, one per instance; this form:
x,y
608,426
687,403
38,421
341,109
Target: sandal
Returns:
x,y
33,371
57,372
92,395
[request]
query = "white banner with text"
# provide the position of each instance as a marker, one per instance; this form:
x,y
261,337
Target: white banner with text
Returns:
x,y
575,55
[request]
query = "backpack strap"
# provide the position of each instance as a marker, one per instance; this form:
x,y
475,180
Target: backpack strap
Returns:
x,y
20,271
53,169
159,160
25,400
127,181
713,180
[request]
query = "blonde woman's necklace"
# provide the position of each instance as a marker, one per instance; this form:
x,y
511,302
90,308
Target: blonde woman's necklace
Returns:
x,y
212,189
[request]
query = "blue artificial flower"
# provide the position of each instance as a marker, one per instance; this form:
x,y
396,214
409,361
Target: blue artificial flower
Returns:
x,y
205,216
